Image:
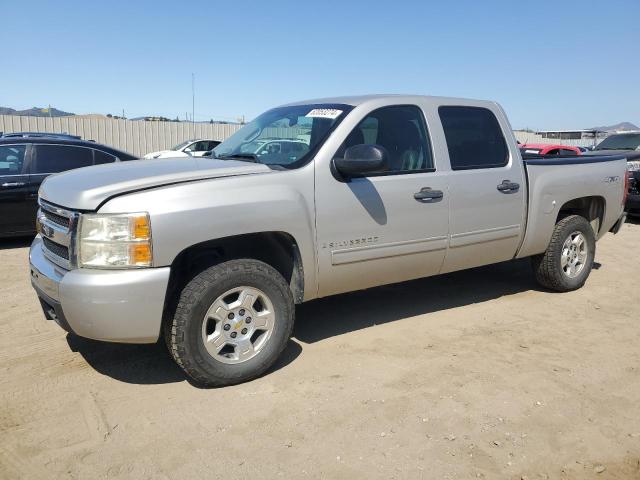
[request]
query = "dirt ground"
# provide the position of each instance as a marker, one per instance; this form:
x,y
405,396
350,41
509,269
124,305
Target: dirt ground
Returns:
x,y
477,374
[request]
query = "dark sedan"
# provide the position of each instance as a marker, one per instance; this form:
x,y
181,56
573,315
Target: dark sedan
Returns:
x,y
26,160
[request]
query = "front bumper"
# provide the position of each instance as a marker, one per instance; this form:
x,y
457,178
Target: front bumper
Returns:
x,y
110,305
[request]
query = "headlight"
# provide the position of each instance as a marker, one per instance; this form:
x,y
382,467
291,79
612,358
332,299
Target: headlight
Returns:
x,y
114,240
633,166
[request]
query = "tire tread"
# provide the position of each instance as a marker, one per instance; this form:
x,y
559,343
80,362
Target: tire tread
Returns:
x,y
175,329
545,265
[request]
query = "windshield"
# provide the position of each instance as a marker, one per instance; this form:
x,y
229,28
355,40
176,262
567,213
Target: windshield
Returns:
x,y
283,136
623,141
181,145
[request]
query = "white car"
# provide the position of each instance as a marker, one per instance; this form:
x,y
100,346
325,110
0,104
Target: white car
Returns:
x,y
193,148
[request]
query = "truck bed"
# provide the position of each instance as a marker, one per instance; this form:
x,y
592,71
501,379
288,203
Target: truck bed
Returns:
x,y
553,181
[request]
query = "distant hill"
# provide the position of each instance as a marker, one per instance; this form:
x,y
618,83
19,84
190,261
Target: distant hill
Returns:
x,y
618,126
35,112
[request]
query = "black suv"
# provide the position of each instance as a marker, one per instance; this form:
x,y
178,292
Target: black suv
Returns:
x,y
27,159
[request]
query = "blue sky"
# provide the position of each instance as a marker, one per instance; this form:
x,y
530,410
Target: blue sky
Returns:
x,y
551,64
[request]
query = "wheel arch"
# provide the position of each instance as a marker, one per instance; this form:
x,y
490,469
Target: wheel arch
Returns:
x,y
592,208
275,248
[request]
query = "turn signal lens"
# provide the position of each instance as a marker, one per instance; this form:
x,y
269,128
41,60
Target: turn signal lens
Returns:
x,y
141,228
140,254
115,241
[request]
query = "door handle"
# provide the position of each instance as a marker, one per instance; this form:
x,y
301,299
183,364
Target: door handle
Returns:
x,y
13,184
507,186
427,195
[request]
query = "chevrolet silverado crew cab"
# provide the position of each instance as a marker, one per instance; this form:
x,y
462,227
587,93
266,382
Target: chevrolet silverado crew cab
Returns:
x,y
214,253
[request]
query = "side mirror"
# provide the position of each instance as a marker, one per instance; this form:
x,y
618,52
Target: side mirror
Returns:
x,y
362,159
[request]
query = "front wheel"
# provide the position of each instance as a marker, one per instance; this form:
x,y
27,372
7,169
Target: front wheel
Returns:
x,y
232,322
567,262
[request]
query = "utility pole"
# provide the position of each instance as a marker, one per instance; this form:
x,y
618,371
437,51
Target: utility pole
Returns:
x,y
49,110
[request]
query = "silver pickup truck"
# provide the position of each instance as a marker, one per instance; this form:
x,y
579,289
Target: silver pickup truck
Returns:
x,y
214,253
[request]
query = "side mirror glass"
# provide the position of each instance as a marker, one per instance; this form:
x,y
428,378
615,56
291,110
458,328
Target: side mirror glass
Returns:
x,y
362,159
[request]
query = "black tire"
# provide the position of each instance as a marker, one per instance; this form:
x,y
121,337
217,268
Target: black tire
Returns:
x,y
183,333
547,266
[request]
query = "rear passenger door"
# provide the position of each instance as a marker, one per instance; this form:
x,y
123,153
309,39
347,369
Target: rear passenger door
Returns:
x,y
47,159
487,188
14,191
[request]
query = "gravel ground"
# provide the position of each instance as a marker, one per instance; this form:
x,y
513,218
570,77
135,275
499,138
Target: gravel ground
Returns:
x,y
476,374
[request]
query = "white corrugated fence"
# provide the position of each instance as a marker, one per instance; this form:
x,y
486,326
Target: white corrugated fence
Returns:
x,y
136,137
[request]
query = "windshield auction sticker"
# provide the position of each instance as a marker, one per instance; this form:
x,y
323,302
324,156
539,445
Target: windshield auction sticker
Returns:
x,y
331,113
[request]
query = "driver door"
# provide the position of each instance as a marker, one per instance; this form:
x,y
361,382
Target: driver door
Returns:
x,y
374,230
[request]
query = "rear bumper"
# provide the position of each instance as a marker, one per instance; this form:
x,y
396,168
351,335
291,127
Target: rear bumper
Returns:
x,y
115,306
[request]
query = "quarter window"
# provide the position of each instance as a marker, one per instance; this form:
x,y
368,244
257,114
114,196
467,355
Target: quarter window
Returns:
x,y
11,159
58,158
401,130
100,157
474,138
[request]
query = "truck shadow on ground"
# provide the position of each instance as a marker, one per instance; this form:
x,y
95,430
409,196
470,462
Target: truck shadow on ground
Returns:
x,y
328,317
146,364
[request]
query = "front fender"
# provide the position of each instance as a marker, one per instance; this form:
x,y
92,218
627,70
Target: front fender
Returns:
x,y
187,214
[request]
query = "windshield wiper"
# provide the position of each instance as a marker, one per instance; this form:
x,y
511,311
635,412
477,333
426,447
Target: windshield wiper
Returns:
x,y
242,156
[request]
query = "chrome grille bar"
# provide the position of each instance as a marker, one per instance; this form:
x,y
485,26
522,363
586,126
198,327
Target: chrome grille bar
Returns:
x,y
58,227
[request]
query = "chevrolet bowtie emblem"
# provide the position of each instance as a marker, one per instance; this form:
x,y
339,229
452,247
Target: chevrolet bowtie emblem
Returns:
x,y
46,230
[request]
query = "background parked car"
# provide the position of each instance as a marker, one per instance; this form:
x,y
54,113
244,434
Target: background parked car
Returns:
x,y
542,149
633,198
274,150
25,161
627,144
194,148
619,143
39,134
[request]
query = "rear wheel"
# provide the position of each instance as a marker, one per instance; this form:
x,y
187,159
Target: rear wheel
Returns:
x,y
567,262
232,322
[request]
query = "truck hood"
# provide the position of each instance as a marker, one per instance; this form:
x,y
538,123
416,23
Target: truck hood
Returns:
x,y
86,188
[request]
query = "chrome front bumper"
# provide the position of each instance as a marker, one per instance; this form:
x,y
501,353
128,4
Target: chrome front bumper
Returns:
x,y
110,305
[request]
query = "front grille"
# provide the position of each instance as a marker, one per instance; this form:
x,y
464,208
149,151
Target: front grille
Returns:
x,y
58,230
57,219
55,248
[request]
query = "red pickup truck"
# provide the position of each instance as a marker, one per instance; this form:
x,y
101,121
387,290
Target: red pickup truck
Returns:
x,y
543,149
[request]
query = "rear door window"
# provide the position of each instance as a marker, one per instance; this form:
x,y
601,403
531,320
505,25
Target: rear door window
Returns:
x,y
12,159
474,138
59,158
